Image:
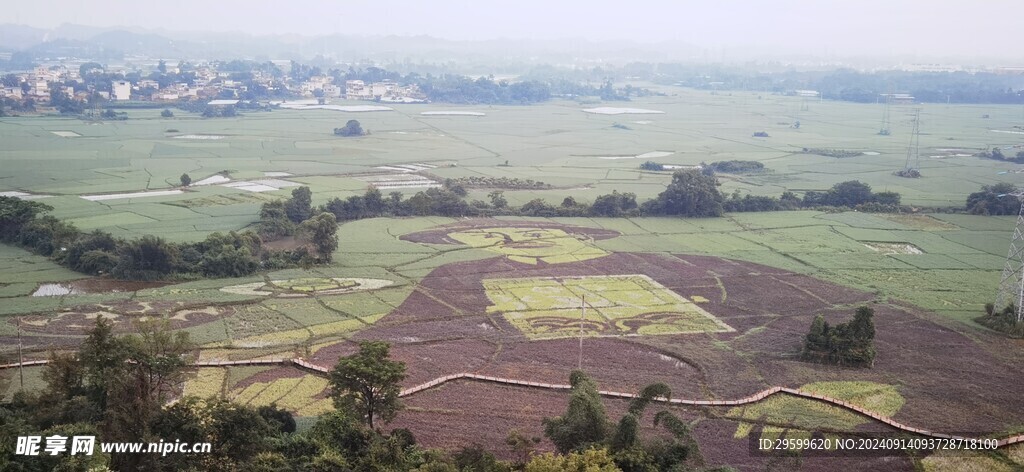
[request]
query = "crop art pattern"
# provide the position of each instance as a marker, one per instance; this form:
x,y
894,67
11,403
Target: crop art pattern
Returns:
x,y
530,245
616,305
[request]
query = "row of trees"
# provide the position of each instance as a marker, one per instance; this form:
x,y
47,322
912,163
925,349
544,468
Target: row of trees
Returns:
x,y
842,84
690,194
150,257
998,154
850,343
460,89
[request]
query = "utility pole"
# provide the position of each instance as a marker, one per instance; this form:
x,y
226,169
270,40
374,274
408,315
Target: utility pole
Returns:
x,y
21,359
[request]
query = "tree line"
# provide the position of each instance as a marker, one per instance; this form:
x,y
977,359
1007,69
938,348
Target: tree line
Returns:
x,y
841,84
691,193
233,254
119,388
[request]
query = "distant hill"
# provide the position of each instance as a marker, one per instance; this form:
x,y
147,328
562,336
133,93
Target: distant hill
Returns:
x,y
78,40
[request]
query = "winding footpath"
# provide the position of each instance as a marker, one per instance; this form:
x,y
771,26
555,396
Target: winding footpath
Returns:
x,y
317,369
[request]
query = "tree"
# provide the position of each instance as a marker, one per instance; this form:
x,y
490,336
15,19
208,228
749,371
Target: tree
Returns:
x,y
374,200
887,198
237,433
154,362
651,165
614,204
497,198
455,187
167,113
274,222
538,207
850,343
147,258
584,423
321,231
279,418
659,453
366,384
162,67
300,206
186,180
474,457
994,200
691,193
46,235
590,460
522,446
849,194
352,128
817,338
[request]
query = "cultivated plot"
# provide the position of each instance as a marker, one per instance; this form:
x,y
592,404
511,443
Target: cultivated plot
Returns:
x,y
614,305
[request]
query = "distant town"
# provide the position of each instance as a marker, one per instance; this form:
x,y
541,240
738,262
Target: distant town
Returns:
x,y
82,86
212,83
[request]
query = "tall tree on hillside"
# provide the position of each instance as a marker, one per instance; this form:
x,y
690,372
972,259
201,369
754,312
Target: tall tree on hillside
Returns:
x,y
584,423
366,384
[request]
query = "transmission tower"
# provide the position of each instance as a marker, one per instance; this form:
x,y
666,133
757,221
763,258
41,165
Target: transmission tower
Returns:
x,y
1011,285
884,130
911,168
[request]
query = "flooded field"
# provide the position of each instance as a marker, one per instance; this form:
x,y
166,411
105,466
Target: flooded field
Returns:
x,y
96,285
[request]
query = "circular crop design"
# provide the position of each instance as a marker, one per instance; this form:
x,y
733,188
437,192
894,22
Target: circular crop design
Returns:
x,y
306,286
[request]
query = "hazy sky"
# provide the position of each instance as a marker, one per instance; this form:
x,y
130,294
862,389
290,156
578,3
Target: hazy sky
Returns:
x,y
927,27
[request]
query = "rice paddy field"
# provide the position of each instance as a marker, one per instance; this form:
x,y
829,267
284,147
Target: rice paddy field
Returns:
x,y
716,308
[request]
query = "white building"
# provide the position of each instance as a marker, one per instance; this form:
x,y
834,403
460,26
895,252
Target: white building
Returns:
x,y
122,90
11,92
332,91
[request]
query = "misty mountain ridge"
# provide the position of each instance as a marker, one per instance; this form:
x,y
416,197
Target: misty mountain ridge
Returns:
x,y
63,40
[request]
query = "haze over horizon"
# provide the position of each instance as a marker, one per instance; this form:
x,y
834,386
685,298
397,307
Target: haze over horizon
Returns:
x,y
869,28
